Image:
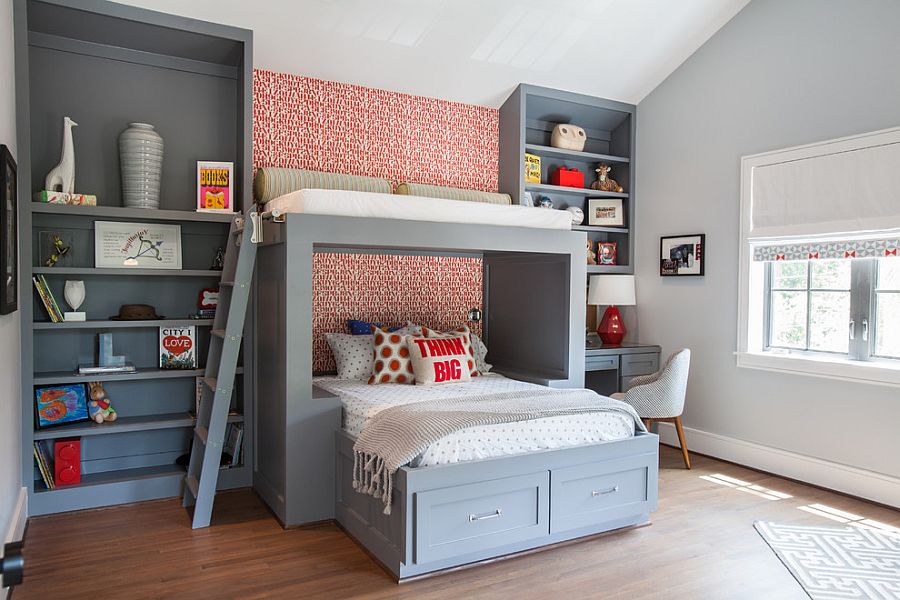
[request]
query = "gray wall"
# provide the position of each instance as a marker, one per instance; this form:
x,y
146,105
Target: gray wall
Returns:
x,y
10,419
781,73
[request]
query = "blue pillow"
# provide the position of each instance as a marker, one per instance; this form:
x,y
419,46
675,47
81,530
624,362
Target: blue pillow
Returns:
x,y
358,327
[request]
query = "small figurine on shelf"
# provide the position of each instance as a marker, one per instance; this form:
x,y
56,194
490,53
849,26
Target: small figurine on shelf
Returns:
x,y
218,263
59,250
604,182
100,408
591,255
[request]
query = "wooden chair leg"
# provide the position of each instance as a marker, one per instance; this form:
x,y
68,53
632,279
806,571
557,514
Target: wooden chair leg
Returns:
x,y
684,450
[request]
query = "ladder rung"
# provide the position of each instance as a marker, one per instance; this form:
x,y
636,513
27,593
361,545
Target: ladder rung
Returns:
x,y
226,283
219,333
192,484
202,434
210,382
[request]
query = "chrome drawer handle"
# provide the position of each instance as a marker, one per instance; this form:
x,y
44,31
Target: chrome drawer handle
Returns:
x,y
611,490
493,515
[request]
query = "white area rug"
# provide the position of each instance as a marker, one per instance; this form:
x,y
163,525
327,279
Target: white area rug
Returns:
x,y
838,563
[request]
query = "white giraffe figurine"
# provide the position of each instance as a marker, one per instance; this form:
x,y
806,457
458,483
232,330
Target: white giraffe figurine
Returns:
x,y
63,174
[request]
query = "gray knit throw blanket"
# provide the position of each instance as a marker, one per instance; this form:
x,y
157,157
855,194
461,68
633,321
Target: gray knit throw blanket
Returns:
x,y
396,435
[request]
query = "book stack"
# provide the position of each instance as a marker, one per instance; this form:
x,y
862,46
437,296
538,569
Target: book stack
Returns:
x,y
231,452
47,299
206,313
106,370
43,456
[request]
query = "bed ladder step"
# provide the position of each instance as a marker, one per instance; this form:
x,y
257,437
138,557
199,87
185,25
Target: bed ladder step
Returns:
x,y
216,393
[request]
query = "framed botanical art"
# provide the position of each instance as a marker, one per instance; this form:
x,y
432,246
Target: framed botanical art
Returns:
x,y
9,255
606,212
60,404
682,255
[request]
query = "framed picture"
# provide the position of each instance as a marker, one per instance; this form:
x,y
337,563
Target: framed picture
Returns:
x,y
606,253
215,186
608,212
9,256
682,255
137,245
60,404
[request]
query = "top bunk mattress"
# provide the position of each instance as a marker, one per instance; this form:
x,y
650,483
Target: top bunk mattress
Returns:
x,y
362,401
417,208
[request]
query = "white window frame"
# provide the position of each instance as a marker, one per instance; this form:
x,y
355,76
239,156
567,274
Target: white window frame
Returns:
x,y
751,340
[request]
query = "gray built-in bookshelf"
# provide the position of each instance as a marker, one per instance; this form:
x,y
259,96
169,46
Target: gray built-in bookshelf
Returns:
x,y
106,65
527,119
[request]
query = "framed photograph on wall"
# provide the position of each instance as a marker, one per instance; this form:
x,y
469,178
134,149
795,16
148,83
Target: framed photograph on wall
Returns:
x,y
9,255
606,212
682,255
60,404
136,245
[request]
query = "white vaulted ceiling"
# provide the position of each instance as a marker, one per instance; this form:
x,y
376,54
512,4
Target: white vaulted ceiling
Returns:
x,y
468,50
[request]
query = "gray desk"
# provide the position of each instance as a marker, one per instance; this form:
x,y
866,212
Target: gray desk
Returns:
x,y
609,369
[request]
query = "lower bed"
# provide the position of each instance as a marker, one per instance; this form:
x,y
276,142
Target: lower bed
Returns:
x,y
492,491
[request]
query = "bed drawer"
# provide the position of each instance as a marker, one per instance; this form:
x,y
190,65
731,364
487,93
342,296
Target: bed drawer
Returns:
x,y
589,494
468,518
639,364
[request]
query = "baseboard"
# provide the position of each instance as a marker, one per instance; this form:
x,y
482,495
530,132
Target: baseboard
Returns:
x,y
870,485
16,528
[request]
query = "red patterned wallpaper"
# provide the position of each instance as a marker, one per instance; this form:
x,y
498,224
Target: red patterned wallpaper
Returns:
x,y
435,291
307,123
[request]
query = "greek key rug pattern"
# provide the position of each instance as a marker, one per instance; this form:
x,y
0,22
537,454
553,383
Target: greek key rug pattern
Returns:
x,y
837,563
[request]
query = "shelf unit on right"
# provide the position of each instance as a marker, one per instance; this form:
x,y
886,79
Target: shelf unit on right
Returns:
x,y
527,119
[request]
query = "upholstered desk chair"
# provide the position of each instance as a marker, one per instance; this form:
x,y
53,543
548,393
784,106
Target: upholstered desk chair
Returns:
x,y
660,396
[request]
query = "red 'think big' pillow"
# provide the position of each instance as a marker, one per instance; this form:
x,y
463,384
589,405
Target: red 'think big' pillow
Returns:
x,y
464,333
439,360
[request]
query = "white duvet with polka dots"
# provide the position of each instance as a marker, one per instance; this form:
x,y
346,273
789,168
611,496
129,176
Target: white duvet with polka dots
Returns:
x,y
362,401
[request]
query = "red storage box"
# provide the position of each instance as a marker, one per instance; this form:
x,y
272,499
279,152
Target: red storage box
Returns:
x,y
67,462
567,177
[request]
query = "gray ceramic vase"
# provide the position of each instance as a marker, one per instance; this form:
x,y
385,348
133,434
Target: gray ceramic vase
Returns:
x,y
141,157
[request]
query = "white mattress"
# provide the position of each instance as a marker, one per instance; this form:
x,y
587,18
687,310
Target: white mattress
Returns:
x,y
417,208
362,401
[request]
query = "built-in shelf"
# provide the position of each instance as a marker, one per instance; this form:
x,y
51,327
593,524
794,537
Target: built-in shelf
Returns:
x,y
60,377
92,479
599,229
139,214
561,189
123,324
125,271
608,269
552,152
123,425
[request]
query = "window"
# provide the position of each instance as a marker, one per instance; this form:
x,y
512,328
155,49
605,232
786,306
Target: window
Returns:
x,y
845,307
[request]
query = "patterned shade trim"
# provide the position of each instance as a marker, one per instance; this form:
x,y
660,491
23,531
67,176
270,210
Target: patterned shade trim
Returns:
x,y
272,182
449,193
828,250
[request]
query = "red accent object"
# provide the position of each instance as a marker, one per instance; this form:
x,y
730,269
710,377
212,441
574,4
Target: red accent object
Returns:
x,y
67,462
611,328
567,177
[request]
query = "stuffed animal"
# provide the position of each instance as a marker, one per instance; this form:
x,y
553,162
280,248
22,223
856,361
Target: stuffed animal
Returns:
x,y
99,407
604,182
591,255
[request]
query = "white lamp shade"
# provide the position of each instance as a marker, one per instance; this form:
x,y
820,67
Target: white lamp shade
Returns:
x,y
611,290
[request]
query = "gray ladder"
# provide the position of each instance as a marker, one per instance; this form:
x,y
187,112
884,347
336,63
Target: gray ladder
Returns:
x,y
221,366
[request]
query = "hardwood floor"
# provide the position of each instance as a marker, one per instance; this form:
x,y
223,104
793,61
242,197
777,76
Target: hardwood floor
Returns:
x,y
701,545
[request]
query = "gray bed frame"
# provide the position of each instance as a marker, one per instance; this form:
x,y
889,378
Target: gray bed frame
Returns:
x,y
449,515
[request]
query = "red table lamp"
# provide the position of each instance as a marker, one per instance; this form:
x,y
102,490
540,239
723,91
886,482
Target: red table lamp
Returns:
x,y
612,291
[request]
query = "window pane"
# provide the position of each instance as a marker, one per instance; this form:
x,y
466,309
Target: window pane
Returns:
x,y
889,273
788,316
830,274
789,275
887,324
829,321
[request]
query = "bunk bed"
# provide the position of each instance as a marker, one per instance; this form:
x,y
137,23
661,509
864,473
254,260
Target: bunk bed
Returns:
x,y
456,513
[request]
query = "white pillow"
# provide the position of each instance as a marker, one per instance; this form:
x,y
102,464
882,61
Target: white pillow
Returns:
x,y
480,351
353,354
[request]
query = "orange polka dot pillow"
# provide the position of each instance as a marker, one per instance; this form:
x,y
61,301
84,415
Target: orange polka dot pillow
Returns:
x,y
464,333
391,360
437,360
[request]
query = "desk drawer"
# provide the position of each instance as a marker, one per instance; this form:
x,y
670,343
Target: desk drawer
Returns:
x,y
601,363
590,494
639,364
468,518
